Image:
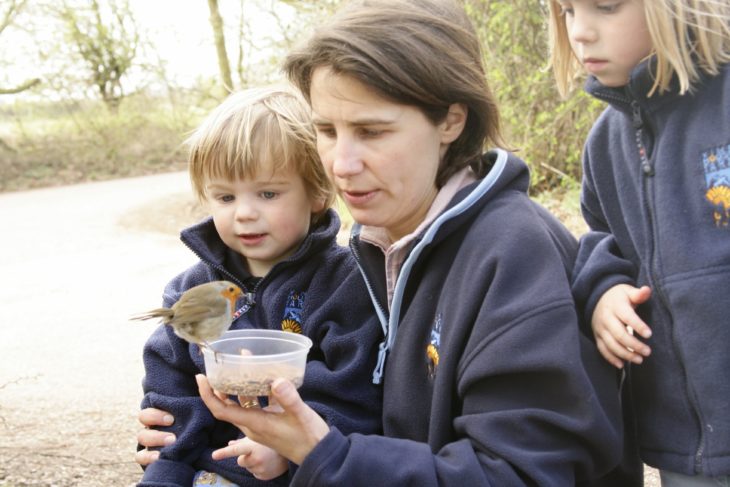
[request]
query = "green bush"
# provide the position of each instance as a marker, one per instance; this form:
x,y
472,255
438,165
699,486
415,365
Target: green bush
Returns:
x,y
546,131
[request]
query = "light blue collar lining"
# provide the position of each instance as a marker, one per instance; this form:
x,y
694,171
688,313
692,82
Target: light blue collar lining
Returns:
x,y
391,328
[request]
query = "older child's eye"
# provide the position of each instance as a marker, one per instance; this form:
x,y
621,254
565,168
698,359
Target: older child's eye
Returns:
x,y
565,9
608,8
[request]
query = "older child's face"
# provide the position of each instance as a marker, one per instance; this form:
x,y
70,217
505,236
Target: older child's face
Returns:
x,y
263,218
609,37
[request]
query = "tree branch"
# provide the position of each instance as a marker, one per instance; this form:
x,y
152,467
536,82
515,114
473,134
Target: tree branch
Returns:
x,y
25,86
10,13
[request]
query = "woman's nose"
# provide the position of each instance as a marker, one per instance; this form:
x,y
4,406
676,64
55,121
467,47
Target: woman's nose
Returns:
x,y
346,159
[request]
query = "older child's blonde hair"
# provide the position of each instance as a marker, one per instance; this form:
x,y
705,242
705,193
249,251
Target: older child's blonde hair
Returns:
x,y
259,127
689,37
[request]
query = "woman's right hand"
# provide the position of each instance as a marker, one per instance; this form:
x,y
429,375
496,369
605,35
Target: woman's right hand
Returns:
x,y
150,437
288,425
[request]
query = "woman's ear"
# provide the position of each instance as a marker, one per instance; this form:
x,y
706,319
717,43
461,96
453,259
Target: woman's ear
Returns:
x,y
452,127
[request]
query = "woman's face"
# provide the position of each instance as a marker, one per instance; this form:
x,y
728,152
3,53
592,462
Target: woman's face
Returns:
x,y
382,156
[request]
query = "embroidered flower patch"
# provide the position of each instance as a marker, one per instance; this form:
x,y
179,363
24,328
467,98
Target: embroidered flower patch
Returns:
x,y
716,164
292,319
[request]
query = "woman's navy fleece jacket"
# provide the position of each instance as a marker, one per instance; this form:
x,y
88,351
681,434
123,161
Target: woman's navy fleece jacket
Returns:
x,y
318,289
487,379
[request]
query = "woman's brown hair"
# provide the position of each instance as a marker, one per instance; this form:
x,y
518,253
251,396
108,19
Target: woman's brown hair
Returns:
x,y
421,53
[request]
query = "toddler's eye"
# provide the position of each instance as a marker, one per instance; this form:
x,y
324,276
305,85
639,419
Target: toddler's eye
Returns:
x,y
226,198
268,195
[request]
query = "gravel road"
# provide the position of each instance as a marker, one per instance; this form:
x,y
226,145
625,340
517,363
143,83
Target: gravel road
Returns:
x,y
76,263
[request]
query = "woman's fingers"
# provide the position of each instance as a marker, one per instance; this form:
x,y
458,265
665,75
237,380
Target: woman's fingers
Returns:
x,y
151,417
293,430
285,396
224,409
146,457
150,438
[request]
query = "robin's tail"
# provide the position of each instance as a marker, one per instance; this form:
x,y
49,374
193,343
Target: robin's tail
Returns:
x,y
165,314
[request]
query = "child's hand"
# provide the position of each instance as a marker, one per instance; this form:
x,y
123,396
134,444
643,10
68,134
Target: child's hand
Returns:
x,y
615,321
263,462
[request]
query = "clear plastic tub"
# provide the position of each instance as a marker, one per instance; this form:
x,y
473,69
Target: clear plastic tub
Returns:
x,y
246,362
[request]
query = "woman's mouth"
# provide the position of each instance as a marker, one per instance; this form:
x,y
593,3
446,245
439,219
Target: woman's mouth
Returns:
x,y
358,198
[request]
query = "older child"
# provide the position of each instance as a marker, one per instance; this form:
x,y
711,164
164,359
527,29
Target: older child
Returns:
x,y
655,268
255,164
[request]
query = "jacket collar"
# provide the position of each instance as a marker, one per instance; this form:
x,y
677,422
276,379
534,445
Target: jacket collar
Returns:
x,y
203,239
637,89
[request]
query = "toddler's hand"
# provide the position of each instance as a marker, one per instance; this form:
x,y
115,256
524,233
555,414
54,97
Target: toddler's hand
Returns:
x,y
615,321
263,462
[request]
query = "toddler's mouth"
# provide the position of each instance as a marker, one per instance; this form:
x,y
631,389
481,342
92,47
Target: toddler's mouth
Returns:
x,y
250,238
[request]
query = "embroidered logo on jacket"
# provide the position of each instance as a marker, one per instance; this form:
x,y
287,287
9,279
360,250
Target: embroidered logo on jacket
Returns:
x,y
292,320
432,349
716,163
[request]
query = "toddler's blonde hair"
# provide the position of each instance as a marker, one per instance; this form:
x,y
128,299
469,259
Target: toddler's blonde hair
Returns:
x,y
259,127
689,38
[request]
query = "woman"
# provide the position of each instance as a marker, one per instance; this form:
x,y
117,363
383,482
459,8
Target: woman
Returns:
x,y
486,378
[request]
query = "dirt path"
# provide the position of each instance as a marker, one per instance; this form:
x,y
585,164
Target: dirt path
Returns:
x,y
76,262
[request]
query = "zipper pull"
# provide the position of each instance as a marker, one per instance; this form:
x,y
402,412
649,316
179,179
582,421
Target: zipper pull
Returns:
x,y
647,169
378,372
638,123
249,299
636,115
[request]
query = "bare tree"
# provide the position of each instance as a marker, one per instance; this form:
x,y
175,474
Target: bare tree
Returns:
x,y
286,21
8,16
106,43
220,45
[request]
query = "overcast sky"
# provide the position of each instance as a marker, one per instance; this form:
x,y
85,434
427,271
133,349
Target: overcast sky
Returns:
x,y
179,31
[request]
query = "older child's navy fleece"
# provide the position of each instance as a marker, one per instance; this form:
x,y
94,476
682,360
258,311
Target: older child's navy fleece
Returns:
x,y
656,194
319,291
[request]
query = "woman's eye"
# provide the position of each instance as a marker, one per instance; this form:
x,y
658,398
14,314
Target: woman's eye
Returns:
x,y
370,133
566,10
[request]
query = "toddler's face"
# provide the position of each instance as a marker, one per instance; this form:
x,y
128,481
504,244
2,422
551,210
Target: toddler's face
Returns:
x,y
263,218
609,37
